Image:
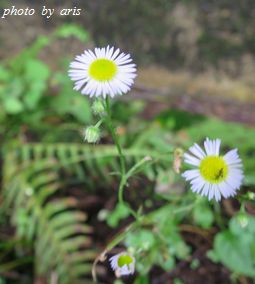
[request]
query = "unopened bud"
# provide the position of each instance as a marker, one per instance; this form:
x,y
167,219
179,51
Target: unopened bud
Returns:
x,y
251,195
92,134
98,107
242,220
147,159
178,153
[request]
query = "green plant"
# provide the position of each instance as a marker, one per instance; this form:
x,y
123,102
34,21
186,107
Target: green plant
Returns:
x,y
234,247
43,215
27,88
58,229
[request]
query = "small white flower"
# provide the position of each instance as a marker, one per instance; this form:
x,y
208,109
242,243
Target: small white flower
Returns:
x,y
123,263
103,72
215,175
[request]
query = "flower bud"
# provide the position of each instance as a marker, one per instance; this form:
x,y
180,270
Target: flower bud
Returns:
x,y
98,107
92,134
242,220
177,163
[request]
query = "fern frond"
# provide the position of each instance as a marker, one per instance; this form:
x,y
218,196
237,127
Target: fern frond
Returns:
x,y
33,178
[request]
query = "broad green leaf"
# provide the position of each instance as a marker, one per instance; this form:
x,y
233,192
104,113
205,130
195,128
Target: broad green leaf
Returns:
x,y
236,252
141,279
13,105
242,224
70,102
120,212
4,73
203,216
68,30
15,88
80,109
36,70
34,94
143,239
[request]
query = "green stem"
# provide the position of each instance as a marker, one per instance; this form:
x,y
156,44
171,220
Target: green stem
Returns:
x,y
123,180
99,123
137,166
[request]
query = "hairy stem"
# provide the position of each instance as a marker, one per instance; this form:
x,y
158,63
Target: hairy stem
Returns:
x,y
123,180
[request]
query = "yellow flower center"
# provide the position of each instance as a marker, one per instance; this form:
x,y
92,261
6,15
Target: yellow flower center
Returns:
x,y
213,169
103,70
124,260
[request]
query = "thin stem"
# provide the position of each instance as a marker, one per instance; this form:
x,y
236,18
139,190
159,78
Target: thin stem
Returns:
x,y
137,166
123,180
99,123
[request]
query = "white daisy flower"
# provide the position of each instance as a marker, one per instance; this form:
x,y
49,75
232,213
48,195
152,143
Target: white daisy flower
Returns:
x,y
215,175
103,72
123,263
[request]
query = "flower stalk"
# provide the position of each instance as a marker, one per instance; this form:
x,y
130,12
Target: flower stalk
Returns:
x,y
119,149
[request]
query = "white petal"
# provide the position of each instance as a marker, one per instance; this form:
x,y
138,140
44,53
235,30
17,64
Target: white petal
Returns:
x,y
191,160
211,193
225,189
197,185
206,189
190,174
232,157
208,147
217,147
197,151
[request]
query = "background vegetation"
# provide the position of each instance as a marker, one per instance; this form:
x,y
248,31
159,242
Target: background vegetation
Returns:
x,y
58,194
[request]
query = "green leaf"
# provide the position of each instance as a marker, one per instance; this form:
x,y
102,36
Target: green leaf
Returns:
x,y
181,249
141,240
68,30
118,282
203,216
4,74
142,279
235,247
36,70
236,252
33,96
15,88
77,106
167,263
80,109
13,105
178,281
242,224
17,63
120,212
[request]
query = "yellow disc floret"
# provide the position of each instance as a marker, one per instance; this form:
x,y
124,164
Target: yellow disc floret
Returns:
x,y
103,69
213,169
124,260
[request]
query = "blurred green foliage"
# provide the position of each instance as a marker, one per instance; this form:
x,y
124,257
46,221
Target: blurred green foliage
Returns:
x,y
28,88
235,246
160,243
52,233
